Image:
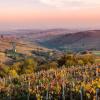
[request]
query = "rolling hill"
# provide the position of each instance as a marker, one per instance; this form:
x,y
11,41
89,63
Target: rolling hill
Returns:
x,y
77,41
61,39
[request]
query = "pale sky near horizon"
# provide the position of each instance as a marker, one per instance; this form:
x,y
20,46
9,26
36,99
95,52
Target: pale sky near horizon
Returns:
x,y
49,14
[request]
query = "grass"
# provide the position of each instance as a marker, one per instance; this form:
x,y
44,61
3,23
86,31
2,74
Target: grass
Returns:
x,y
97,53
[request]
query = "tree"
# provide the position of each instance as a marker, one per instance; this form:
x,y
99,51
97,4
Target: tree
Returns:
x,y
13,73
68,60
17,66
4,70
53,65
88,58
29,65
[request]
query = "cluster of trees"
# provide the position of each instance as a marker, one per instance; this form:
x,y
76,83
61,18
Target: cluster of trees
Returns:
x,y
26,66
71,59
31,64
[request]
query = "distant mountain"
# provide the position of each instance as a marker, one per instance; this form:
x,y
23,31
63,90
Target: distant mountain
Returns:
x,y
77,41
27,40
61,39
40,35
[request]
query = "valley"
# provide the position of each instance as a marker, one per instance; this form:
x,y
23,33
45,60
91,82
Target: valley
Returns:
x,y
52,40
52,64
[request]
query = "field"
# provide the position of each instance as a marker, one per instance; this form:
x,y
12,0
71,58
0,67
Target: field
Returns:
x,y
49,49
75,83
47,74
97,53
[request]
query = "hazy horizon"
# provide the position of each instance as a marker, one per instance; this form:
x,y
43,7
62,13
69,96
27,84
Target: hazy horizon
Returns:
x,y
42,14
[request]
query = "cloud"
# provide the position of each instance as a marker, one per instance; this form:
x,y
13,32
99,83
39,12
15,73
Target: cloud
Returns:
x,y
71,3
50,3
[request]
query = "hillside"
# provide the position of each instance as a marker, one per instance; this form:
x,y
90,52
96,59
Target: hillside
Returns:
x,y
76,41
22,46
60,39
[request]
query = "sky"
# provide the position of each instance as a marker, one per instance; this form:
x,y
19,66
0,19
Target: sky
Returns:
x,y
36,14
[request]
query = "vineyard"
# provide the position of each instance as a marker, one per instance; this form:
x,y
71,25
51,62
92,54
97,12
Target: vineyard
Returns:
x,y
71,83
49,50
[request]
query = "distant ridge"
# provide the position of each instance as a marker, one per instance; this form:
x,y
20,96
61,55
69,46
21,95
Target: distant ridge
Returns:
x,y
61,39
80,40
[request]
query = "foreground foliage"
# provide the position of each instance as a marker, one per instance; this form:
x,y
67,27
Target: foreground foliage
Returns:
x,y
53,84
